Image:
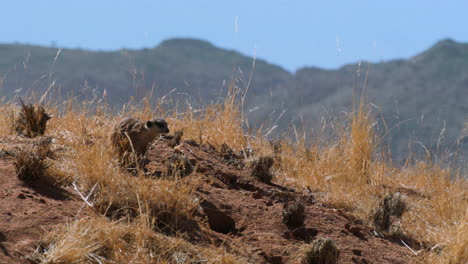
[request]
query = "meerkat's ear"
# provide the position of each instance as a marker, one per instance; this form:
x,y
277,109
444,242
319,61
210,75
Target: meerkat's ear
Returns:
x,y
149,124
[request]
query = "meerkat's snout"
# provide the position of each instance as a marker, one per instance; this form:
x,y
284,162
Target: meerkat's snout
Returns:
x,y
159,124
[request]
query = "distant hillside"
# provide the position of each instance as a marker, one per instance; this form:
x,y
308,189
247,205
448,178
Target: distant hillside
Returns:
x,y
190,66
422,100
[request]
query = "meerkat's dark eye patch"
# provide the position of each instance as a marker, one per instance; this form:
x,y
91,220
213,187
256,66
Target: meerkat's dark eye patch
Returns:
x,y
160,123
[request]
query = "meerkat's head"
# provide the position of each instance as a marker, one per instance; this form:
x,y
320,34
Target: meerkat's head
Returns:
x,y
157,124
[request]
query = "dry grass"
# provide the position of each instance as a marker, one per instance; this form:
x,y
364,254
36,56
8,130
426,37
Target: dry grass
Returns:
x,y
349,175
93,167
6,117
345,172
99,240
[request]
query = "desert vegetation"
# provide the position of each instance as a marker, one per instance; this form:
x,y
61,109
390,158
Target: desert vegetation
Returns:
x,y
142,218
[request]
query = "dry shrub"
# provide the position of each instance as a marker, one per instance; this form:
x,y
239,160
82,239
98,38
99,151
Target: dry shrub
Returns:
x,y
321,251
294,214
260,168
30,162
396,204
31,120
390,205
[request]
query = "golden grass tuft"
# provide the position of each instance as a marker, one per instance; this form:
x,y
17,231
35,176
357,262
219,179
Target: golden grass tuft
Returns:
x,y
6,117
215,124
99,240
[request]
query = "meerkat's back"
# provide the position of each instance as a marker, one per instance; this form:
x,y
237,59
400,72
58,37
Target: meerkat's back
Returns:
x,y
129,125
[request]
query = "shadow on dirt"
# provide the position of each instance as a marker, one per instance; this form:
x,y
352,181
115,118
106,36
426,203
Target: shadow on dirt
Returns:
x,y
2,247
48,189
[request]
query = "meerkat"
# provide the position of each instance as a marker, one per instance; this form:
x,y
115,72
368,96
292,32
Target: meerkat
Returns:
x,y
131,135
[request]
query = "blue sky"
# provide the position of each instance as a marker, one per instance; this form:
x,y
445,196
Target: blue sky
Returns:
x,y
291,33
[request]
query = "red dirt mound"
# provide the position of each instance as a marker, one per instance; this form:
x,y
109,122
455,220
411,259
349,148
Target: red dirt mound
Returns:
x,y
27,211
246,214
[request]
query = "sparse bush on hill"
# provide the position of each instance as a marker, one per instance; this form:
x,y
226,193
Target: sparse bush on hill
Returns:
x,y
321,251
391,205
294,214
30,162
31,120
260,168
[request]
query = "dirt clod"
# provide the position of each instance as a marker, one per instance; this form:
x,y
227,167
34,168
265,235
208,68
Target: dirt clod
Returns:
x,y
178,165
175,139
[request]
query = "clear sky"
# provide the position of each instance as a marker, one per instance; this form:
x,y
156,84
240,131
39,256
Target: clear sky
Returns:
x,y
292,33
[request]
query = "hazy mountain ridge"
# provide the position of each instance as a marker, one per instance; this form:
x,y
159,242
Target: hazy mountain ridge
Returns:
x,y
416,97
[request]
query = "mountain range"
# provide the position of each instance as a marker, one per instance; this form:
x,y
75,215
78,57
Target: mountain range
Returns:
x,y
420,103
